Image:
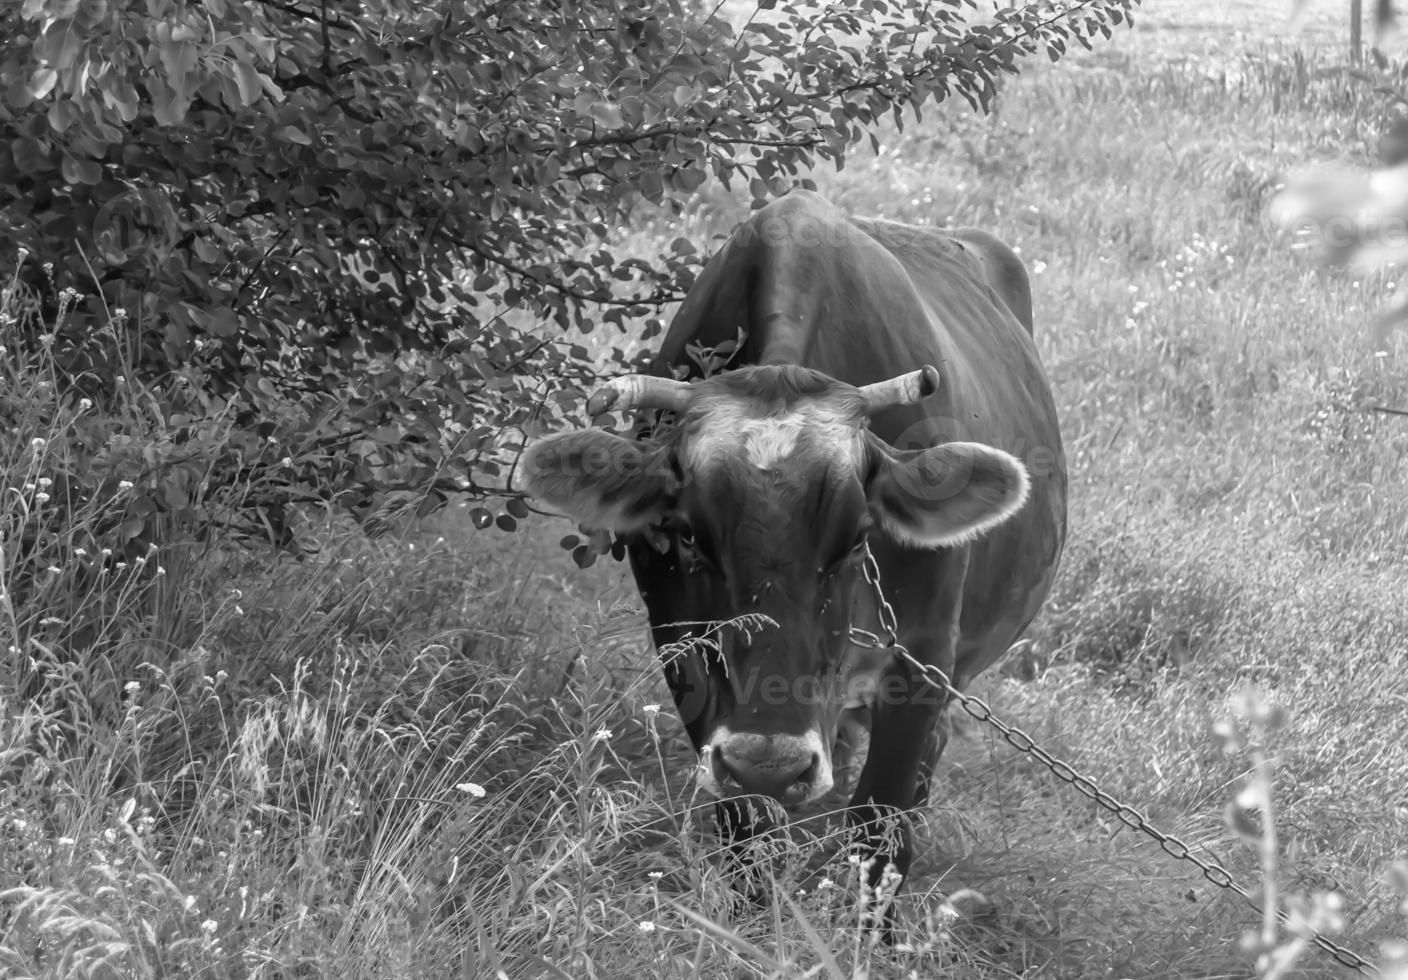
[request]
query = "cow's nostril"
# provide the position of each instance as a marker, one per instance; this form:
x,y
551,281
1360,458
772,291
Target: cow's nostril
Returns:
x,y
809,776
719,768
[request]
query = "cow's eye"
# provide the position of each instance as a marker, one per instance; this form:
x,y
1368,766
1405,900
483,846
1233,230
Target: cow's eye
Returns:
x,y
690,547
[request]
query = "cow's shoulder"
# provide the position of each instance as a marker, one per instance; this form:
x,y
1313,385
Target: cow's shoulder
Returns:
x,y
968,252
1002,268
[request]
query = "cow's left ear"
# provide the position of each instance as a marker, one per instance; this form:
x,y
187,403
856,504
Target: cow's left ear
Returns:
x,y
944,496
601,479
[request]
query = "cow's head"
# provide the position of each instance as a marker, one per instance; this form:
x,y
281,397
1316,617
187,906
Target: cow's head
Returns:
x,y
755,511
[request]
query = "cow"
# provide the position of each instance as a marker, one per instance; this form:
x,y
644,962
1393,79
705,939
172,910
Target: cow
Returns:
x,y
885,407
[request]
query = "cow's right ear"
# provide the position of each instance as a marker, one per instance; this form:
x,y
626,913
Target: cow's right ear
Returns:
x,y
600,479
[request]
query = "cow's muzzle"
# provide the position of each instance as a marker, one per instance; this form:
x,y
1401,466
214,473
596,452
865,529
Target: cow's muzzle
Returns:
x,y
792,769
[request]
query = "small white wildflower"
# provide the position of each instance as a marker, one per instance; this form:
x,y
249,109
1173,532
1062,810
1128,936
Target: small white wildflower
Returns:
x,y
84,404
473,789
107,552
66,842
646,926
124,484
119,313
651,710
160,570
602,734
132,687
286,461
825,884
208,926
121,565
38,443
41,497
1038,267
44,482
50,621
81,552
189,903
53,570
19,825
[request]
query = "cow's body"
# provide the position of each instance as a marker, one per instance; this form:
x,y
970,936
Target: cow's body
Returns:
x,y
773,472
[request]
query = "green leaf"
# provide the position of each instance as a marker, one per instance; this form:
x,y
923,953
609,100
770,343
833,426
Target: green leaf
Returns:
x,y
247,78
80,171
132,527
168,105
607,115
652,186
42,82
31,156
584,556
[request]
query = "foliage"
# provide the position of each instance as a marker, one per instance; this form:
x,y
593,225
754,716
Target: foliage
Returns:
x,y
368,227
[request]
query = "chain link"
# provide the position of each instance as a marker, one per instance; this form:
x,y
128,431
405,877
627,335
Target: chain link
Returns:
x,y
978,709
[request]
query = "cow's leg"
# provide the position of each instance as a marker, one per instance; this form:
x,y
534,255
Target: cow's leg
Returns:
x,y
934,747
905,743
907,732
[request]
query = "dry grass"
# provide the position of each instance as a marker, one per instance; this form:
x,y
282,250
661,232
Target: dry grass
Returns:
x,y
430,789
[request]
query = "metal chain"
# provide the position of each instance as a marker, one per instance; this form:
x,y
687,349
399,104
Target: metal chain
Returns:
x,y
1064,771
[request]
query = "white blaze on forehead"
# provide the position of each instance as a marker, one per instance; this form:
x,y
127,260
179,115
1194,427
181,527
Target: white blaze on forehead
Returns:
x,y
769,441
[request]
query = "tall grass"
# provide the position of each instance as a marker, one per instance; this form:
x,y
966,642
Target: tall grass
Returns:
x,y
444,753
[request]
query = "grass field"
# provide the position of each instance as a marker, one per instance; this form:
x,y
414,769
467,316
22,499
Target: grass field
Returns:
x,y
475,770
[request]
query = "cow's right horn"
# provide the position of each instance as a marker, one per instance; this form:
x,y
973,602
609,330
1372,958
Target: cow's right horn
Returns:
x,y
640,391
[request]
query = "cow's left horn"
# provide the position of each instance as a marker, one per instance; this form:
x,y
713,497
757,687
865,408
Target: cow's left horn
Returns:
x,y
903,390
639,391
